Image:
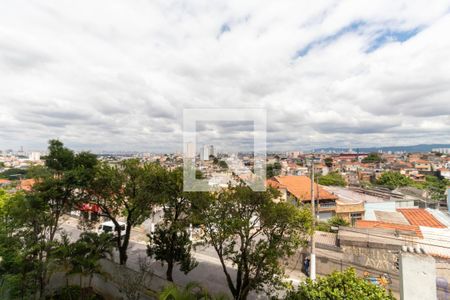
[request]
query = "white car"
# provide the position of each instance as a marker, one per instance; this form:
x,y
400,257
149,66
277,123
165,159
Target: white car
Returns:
x,y
110,227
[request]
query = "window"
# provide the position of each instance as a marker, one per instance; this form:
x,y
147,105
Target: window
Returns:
x,y
107,228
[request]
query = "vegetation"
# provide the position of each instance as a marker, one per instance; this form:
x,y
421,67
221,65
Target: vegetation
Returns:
x,y
124,190
393,180
333,179
13,174
435,186
247,229
223,164
328,162
273,169
170,243
339,286
252,232
334,221
372,158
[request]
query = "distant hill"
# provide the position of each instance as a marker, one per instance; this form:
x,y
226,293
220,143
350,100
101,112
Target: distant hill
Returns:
x,y
414,148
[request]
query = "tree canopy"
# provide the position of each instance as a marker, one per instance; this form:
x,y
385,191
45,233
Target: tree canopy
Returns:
x,y
252,232
333,179
393,180
170,243
372,158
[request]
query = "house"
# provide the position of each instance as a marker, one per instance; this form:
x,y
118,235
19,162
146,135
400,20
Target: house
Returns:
x,y
4,182
422,165
26,184
444,173
298,189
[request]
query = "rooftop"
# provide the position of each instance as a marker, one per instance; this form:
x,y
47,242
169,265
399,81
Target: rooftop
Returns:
x,y
401,227
300,187
420,217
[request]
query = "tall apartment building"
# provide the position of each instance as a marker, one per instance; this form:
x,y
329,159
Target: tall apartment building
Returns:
x,y
189,150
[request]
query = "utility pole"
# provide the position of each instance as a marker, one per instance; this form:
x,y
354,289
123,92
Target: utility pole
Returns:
x,y
312,273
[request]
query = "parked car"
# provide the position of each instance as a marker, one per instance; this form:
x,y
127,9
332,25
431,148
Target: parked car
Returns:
x,y
110,227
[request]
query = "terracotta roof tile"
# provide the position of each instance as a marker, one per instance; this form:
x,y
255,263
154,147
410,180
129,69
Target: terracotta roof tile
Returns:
x,y
383,225
420,217
300,187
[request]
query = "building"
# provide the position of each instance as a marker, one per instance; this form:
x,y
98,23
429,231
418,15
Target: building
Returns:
x,y
189,150
204,153
35,156
441,150
298,189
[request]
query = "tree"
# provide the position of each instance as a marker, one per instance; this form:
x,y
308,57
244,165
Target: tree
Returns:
x,y
435,186
372,158
393,180
339,286
24,245
223,164
13,174
328,162
171,242
273,169
252,232
333,179
126,190
87,252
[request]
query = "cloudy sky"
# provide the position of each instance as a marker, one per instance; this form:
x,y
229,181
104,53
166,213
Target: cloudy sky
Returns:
x,y
116,75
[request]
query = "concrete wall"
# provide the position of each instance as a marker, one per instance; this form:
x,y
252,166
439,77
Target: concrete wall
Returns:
x,y
417,277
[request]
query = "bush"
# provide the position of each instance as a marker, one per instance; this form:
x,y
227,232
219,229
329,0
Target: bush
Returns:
x,y
339,286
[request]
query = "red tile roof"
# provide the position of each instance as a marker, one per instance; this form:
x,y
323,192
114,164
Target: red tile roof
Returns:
x,y
420,217
376,224
26,184
300,187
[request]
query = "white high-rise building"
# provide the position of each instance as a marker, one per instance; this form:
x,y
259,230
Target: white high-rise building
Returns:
x,y
204,153
34,156
190,150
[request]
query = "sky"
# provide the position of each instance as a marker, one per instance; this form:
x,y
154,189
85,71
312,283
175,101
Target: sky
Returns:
x,y
117,75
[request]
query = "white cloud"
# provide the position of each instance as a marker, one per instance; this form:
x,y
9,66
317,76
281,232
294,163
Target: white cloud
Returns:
x,y
116,75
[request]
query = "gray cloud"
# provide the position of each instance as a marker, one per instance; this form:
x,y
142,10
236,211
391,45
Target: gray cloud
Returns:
x,y
121,81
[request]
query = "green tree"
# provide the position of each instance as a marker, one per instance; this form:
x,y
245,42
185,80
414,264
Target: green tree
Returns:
x,y
170,243
86,255
273,169
393,180
125,190
251,231
328,162
372,158
435,186
339,286
333,179
223,164
13,174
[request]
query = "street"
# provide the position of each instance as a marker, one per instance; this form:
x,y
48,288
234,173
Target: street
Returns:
x,y
208,273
